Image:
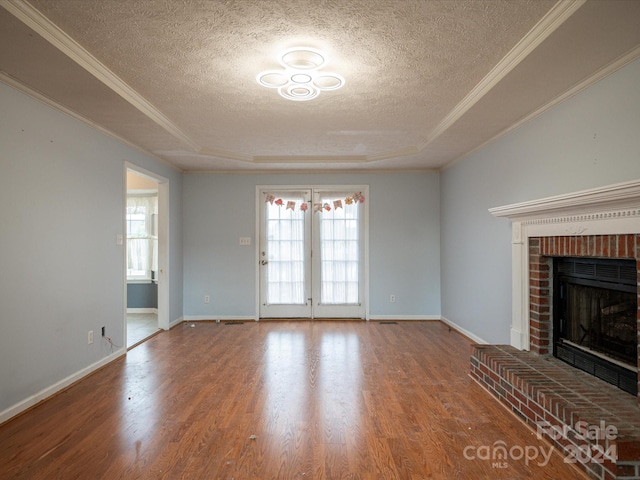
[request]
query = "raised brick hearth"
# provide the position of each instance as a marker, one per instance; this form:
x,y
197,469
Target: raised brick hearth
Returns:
x,y
603,223
549,395
540,388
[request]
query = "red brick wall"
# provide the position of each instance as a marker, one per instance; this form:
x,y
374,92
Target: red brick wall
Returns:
x,y
540,297
541,249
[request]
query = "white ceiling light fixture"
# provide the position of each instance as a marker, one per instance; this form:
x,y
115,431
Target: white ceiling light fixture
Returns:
x,y
301,79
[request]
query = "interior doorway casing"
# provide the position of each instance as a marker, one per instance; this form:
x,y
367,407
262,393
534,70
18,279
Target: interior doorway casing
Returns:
x,y
163,246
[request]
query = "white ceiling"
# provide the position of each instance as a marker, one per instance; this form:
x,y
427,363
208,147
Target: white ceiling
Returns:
x,y
427,82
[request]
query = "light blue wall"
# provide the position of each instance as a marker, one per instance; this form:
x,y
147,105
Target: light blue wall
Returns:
x,y
62,273
590,140
404,240
142,295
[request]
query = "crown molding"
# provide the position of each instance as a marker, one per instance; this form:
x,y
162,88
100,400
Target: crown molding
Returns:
x,y
310,159
72,49
402,152
266,159
555,17
40,97
203,152
605,71
620,199
329,171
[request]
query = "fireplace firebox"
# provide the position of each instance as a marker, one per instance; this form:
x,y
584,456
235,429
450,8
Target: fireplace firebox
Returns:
x,y
595,318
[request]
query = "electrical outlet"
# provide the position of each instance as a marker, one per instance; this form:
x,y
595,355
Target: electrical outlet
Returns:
x,y
90,337
392,298
207,299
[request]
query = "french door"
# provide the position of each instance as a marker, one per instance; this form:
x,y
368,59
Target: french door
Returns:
x,y
312,252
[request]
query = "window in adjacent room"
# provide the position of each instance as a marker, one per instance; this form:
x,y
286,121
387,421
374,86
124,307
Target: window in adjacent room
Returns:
x,y
142,238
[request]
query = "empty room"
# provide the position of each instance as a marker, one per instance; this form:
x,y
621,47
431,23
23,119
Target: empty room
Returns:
x,y
295,239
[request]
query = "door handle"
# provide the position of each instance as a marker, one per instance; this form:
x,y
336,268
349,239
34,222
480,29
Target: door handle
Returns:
x,y
264,262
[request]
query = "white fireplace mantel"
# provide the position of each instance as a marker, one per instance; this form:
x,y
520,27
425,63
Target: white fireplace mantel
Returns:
x,y
609,210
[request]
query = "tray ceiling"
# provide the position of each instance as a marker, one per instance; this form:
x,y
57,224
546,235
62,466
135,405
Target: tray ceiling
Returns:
x,y
427,82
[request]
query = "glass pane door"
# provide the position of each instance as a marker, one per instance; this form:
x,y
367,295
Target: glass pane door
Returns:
x,y
285,268
338,255
311,253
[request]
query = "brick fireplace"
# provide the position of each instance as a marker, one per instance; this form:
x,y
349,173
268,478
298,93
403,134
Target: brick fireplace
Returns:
x,y
599,223
602,223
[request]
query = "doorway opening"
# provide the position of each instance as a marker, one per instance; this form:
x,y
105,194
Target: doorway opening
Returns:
x,y
312,252
145,255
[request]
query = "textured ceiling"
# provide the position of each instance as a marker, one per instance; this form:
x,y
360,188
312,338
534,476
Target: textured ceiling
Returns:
x,y
427,82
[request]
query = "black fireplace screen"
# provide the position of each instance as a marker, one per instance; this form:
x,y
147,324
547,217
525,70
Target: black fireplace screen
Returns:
x,y
595,318
595,305
600,320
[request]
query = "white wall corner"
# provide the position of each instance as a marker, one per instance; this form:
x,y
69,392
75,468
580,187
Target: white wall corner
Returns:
x,y
470,335
176,322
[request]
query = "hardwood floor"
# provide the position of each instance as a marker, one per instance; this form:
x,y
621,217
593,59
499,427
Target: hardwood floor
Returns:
x,y
278,400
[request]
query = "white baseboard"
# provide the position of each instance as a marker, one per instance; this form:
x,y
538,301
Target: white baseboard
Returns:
x,y
464,331
230,318
404,317
57,387
142,310
218,318
177,321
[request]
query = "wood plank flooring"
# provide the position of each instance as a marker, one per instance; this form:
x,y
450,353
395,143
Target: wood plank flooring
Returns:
x,y
278,400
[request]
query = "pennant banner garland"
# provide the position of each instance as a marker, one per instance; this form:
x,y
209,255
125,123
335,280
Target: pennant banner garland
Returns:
x,y
317,207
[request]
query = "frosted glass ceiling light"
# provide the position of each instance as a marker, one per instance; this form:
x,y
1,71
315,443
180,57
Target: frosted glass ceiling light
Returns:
x,y
272,79
299,93
328,81
302,58
300,80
